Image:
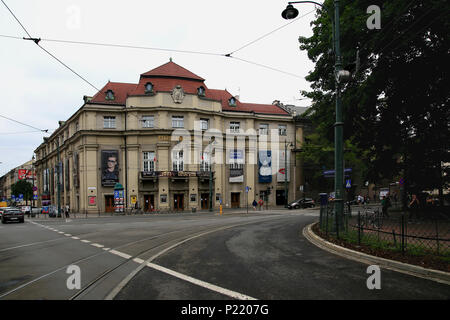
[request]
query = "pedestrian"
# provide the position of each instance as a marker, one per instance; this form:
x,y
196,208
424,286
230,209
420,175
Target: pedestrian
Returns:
x,y
261,203
385,204
254,205
413,207
67,211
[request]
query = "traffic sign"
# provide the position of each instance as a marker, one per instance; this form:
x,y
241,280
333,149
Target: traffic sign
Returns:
x,y
348,183
34,188
247,188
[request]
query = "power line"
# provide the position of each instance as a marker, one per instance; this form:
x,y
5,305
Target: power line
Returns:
x,y
43,130
269,33
37,43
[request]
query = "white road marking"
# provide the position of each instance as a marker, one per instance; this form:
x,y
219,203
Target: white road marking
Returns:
x,y
212,287
106,249
67,234
120,254
60,232
97,245
85,241
137,260
76,238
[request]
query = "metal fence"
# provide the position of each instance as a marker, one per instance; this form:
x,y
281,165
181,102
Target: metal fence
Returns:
x,y
368,226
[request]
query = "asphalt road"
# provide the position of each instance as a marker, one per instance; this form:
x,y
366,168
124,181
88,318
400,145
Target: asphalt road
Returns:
x,y
201,256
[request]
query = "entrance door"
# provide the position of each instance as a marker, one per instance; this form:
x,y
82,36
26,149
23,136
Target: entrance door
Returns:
x,y
178,201
149,202
235,199
205,200
109,203
280,197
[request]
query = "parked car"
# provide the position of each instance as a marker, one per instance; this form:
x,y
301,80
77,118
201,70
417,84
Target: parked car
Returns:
x,y
13,214
302,203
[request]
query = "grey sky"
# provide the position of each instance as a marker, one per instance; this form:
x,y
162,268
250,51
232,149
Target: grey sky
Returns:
x,y
38,91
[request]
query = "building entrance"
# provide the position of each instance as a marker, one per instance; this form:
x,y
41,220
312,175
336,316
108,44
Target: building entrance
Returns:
x,y
205,200
178,201
109,203
235,199
149,202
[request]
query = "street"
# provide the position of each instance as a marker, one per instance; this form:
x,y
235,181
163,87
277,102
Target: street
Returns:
x,y
202,256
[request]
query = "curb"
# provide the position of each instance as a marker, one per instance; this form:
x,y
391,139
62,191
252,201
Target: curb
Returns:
x,y
430,274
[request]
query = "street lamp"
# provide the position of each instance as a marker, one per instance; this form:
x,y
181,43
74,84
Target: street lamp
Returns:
x,y
341,76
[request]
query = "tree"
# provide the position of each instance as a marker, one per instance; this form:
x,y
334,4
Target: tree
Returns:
x,y
22,187
396,114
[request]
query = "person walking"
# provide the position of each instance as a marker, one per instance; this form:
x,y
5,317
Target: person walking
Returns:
x,y
413,207
385,204
254,204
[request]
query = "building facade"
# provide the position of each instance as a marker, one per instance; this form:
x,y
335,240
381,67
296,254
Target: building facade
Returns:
x,y
23,172
173,144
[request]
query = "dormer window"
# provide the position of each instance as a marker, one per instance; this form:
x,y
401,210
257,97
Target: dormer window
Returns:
x,y
201,91
232,102
109,95
149,87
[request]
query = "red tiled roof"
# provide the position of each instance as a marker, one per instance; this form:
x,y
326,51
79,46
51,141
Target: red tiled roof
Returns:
x,y
171,69
120,90
168,76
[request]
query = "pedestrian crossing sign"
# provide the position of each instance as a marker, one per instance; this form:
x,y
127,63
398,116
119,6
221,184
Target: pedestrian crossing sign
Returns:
x,y
348,183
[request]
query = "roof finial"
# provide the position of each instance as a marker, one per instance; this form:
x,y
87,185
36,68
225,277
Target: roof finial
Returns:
x,y
170,59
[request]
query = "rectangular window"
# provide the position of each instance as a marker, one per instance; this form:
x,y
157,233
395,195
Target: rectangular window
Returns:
x,y
148,121
109,122
177,122
235,127
282,131
204,124
149,161
177,161
263,129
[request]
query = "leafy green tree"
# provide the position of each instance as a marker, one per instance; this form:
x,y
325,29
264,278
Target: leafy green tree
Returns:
x,y
22,187
396,114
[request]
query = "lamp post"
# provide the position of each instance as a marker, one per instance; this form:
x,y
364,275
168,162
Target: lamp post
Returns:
x,y
340,76
286,174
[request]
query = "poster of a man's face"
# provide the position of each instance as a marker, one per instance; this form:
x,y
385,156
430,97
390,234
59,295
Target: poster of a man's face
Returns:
x,y
110,168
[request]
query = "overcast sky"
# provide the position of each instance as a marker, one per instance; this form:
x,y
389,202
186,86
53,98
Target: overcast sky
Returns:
x,y
38,91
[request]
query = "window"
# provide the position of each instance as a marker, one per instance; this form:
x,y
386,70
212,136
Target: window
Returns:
x,y
263,129
204,124
148,121
235,126
149,161
109,122
109,95
177,161
201,91
282,130
148,87
232,102
205,164
177,122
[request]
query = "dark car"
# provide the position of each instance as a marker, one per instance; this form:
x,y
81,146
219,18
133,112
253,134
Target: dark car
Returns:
x,y
13,215
302,203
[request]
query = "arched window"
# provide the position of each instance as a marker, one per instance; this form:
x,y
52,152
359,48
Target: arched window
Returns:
x,y
149,87
201,91
109,95
232,102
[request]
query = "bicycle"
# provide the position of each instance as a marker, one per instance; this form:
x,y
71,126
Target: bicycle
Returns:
x,y
372,218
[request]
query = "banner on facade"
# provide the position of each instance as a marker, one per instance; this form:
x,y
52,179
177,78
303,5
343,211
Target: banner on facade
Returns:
x,y
282,171
265,166
110,168
236,161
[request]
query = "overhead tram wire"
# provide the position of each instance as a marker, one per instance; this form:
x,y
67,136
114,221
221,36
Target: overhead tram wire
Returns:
x,y
24,124
36,40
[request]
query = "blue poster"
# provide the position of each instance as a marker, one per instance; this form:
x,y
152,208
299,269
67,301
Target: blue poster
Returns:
x,y
265,166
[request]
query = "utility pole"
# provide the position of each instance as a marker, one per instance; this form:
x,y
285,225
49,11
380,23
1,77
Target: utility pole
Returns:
x,y
285,176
